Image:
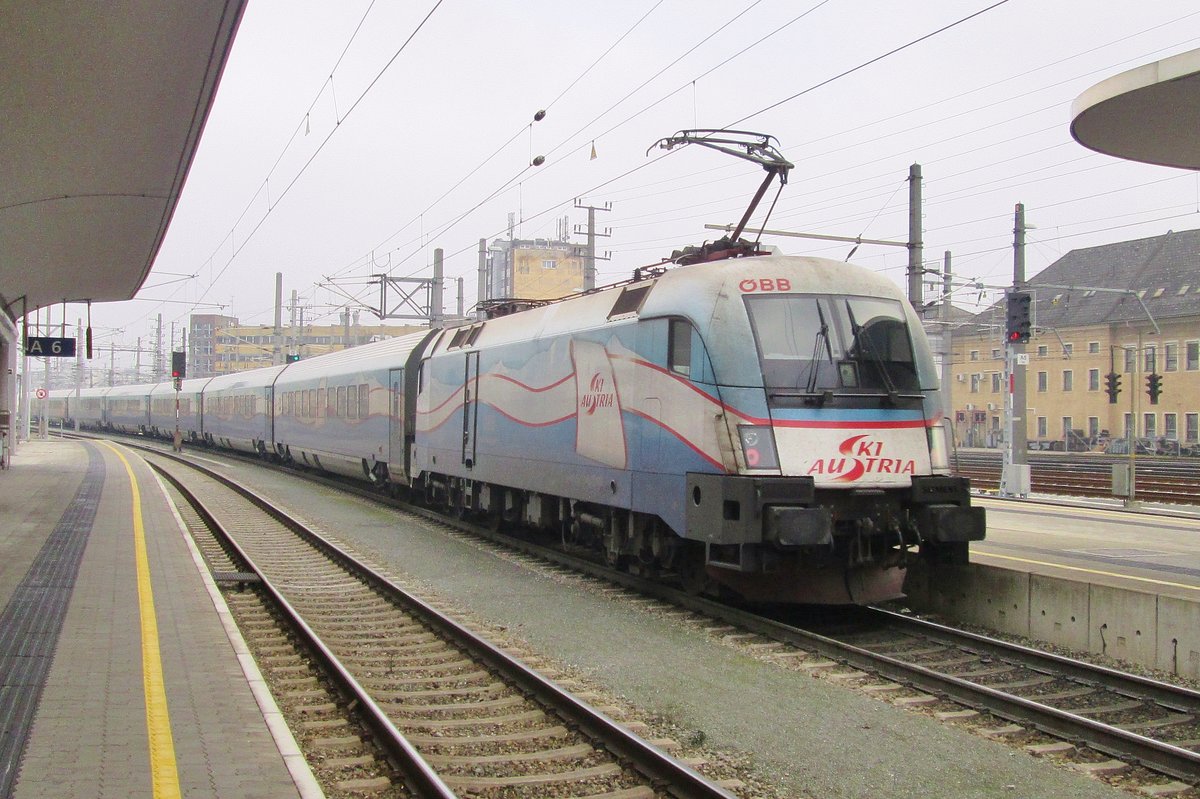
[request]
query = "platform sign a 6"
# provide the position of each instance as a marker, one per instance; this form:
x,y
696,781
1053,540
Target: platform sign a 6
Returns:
x,y
50,347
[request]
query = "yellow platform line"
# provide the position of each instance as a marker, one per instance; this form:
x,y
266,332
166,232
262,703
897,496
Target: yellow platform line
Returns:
x,y
164,775
1086,571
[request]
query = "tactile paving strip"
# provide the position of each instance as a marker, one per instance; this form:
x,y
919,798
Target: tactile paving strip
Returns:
x,y
31,622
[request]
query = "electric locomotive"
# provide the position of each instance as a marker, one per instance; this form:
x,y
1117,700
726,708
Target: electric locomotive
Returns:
x,y
770,426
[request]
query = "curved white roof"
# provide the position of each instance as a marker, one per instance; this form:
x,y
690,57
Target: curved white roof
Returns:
x,y
102,109
1149,114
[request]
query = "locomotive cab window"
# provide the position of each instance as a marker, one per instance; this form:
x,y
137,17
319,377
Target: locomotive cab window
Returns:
x,y
679,347
816,343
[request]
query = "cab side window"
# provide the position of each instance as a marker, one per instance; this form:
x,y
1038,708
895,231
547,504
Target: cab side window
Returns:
x,y
679,347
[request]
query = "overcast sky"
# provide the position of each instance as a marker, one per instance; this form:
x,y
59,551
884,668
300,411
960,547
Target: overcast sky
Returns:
x,y
351,138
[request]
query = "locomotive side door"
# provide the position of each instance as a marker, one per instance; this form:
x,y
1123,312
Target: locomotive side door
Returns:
x,y
396,418
470,407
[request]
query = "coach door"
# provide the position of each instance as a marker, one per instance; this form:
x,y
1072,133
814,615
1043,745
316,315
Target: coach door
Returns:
x,y
470,419
396,418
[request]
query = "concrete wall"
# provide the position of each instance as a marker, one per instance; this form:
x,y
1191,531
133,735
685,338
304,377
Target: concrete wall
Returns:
x,y
1135,626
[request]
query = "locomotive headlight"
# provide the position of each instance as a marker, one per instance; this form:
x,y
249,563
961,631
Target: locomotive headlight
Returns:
x,y
939,448
758,446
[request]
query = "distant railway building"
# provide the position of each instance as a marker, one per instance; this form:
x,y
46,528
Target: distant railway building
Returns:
x,y
1132,309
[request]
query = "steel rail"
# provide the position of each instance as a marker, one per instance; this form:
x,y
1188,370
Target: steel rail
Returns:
x,y
422,779
1176,697
667,773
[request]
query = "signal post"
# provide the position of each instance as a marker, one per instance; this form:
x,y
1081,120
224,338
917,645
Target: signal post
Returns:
x,y
178,372
1014,474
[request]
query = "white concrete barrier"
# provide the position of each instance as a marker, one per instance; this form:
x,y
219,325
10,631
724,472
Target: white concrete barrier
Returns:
x,y
1134,626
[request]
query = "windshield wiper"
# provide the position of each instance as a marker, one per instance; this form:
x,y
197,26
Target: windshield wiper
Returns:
x,y
866,348
821,336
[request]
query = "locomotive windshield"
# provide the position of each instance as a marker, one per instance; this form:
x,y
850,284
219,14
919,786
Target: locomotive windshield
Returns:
x,y
817,343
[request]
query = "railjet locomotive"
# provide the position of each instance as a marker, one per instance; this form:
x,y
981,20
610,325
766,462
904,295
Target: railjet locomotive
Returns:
x,y
768,426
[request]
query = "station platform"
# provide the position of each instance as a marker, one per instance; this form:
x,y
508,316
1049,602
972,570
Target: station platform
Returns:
x,y
121,672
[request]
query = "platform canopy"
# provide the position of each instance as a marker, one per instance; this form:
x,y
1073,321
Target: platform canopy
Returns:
x,y
1149,114
101,110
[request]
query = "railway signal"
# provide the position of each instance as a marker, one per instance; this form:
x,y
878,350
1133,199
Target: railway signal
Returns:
x,y
1019,321
1112,386
1154,386
179,364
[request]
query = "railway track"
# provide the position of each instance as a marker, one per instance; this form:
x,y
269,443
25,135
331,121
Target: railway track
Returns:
x,y
1132,719
449,711
1113,723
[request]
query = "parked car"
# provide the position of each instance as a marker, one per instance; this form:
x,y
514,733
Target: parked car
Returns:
x,y
1143,446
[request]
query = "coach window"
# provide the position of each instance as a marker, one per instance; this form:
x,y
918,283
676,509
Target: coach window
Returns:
x,y
312,403
364,397
320,402
679,347
352,402
341,402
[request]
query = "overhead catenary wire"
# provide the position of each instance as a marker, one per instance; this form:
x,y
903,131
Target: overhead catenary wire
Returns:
x,y
237,244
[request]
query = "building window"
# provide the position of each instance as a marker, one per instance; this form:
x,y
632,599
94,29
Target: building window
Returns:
x,y
1043,350
1093,427
1128,425
1041,427
1191,423
1192,356
1068,380
1042,381
996,355
1093,348
1151,363
1171,357
975,384
1068,350
996,382
1066,426
1171,425
1149,425
1093,379
974,355
1130,358
549,263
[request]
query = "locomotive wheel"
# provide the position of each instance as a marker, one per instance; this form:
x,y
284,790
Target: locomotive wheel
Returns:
x,y
693,575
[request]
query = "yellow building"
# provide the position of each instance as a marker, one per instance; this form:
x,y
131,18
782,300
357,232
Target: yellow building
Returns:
x,y
237,348
1131,309
536,269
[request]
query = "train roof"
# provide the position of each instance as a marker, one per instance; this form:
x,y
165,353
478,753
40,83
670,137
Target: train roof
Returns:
x,y
253,380
138,390
190,385
390,353
709,295
692,291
